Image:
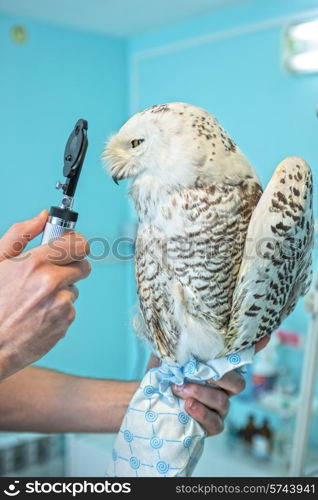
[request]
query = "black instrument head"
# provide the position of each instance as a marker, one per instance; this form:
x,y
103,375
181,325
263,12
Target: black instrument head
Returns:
x,y
74,155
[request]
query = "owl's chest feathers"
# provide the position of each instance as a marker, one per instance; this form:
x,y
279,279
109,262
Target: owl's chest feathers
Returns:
x,y
148,200
179,211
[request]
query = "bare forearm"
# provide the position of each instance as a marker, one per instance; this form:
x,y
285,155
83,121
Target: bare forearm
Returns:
x,y
39,400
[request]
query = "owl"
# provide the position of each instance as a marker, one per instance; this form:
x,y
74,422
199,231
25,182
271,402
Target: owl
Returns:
x,y
219,263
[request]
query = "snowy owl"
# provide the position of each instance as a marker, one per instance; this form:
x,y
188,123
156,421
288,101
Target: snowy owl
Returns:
x,y
219,264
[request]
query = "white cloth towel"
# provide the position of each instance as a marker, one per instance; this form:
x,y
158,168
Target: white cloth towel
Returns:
x,y
157,437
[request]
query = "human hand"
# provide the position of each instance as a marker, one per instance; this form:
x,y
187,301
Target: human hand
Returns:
x,y
37,292
210,405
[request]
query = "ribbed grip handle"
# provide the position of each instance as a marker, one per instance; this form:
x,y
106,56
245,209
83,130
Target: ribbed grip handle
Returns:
x,y
52,232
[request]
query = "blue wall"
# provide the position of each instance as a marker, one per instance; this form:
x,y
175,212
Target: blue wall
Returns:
x,y
59,76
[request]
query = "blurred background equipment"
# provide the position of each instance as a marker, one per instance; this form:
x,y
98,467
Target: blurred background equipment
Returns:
x,y
307,388
32,454
105,60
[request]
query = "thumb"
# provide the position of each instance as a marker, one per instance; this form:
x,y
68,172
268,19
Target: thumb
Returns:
x,y
153,362
17,237
262,343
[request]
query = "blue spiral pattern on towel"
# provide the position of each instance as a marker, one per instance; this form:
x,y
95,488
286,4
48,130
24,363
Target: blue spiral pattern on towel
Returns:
x,y
128,436
183,417
151,416
149,391
235,359
156,442
134,463
187,442
191,367
162,467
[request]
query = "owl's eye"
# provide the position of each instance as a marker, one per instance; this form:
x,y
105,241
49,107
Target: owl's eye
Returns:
x,y
135,142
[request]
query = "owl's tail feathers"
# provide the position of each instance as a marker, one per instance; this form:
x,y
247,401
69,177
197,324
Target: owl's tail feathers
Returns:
x,y
153,333
202,333
276,266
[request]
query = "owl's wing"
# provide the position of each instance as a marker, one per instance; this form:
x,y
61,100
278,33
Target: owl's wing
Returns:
x,y
154,323
276,268
187,276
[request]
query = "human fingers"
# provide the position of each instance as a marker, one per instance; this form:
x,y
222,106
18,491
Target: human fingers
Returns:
x,y
211,397
18,235
74,292
71,247
232,383
210,420
71,273
153,362
63,309
261,344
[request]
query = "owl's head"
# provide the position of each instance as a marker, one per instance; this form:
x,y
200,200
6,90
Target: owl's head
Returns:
x,y
177,144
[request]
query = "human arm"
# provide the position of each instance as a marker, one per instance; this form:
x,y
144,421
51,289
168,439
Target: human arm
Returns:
x,y
40,400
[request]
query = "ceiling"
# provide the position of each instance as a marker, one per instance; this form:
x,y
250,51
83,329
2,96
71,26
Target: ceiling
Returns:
x,y
122,18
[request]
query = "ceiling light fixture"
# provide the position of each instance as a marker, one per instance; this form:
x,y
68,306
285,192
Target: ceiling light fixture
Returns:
x,y
301,47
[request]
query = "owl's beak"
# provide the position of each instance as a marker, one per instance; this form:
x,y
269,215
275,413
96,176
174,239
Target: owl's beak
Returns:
x,y
120,173
119,176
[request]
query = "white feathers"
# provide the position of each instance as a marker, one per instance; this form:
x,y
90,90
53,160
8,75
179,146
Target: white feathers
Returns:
x,y
195,193
276,268
179,141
